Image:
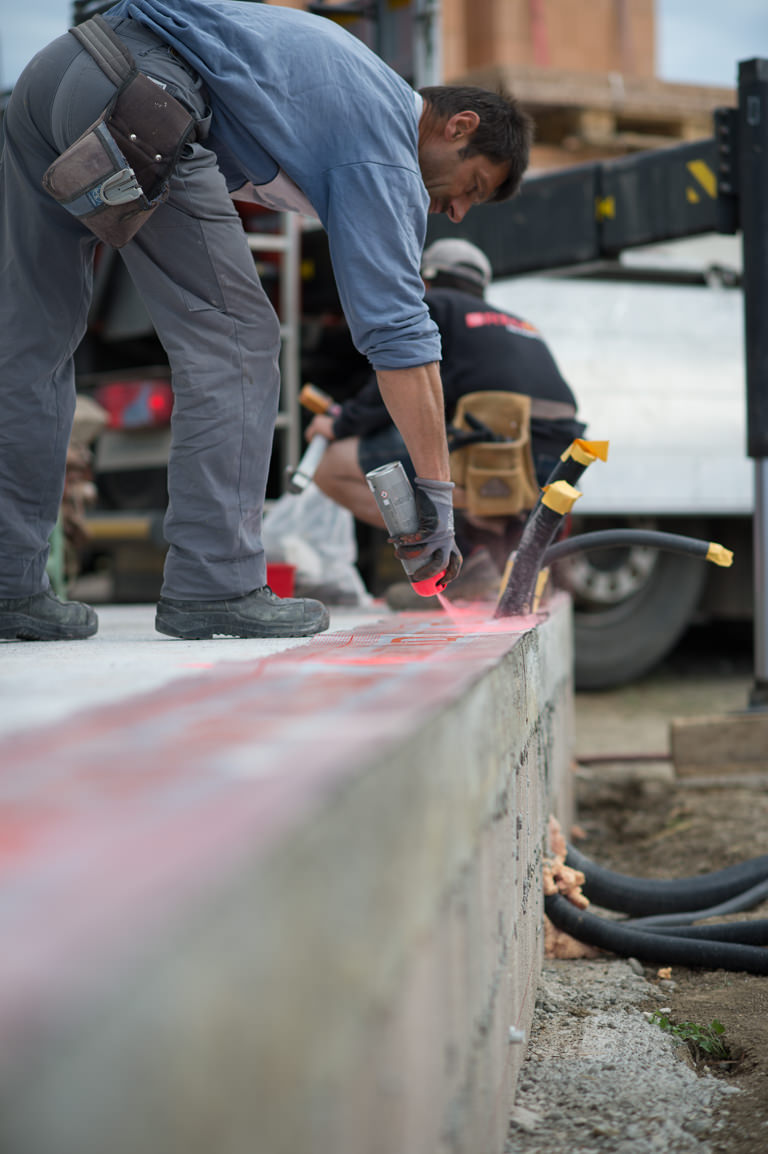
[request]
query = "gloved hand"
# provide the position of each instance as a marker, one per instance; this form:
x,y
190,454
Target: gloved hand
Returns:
x,y
431,551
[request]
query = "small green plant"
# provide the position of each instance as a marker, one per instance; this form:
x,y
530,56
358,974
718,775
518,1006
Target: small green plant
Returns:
x,y
701,1040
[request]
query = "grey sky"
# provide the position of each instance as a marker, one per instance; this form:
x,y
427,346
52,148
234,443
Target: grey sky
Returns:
x,y
698,41
702,41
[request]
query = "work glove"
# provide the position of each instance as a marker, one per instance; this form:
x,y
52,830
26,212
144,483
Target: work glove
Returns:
x,y
430,554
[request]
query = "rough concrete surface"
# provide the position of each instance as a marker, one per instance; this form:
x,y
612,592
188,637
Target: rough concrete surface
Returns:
x,y
599,1076
272,901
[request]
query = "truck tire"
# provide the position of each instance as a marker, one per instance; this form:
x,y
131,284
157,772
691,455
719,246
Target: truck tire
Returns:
x,y
629,610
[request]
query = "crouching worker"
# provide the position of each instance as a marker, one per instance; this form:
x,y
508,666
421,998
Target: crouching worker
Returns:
x,y
249,99
498,374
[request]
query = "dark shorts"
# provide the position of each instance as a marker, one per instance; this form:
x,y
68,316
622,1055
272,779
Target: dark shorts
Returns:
x,y
382,447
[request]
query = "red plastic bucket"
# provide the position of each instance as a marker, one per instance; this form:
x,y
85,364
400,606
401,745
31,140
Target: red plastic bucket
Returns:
x,y
280,578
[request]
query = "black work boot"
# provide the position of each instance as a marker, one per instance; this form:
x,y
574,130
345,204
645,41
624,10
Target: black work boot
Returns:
x,y
259,614
45,618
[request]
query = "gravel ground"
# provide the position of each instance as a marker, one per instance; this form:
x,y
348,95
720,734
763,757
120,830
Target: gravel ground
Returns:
x,y
599,1076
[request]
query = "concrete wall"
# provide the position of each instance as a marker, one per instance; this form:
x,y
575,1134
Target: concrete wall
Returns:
x,y
343,979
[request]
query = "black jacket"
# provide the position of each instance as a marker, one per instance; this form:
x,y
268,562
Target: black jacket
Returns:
x,y
484,349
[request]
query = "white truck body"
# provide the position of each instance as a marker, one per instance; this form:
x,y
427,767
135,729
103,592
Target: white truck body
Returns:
x,y
658,369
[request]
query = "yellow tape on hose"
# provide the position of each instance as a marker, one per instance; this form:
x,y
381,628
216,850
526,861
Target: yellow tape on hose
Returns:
x,y
585,452
560,497
719,555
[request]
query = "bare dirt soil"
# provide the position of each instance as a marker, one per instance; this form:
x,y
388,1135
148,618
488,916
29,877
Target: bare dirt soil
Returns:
x,y
655,829
641,820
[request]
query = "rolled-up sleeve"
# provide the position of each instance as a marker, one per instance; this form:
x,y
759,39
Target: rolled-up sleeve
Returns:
x,y
376,219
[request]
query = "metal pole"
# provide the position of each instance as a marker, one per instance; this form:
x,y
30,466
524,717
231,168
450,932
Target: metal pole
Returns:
x,y
427,35
753,181
759,696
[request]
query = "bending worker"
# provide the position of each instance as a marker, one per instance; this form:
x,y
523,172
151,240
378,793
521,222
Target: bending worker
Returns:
x,y
289,109
484,350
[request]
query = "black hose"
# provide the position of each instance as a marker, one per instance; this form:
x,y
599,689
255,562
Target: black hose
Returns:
x,y
748,933
536,551
641,896
746,900
653,947
570,466
540,528
612,538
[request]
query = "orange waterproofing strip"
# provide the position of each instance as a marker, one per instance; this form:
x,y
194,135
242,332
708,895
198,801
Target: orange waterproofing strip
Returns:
x,y
111,822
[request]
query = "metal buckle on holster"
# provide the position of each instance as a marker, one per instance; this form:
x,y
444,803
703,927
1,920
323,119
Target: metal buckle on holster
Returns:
x,y
120,188
117,173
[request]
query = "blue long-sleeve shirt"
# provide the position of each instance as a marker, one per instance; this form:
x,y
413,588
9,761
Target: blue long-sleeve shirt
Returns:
x,y
295,92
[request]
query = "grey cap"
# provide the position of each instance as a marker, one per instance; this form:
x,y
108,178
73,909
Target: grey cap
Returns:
x,y
459,258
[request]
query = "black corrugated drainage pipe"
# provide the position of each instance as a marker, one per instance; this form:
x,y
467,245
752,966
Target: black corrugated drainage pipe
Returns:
x,y
642,896
746,900
666,937
749,933
667,949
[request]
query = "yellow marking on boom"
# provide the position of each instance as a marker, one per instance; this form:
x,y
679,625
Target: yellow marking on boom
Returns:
x,y
701,172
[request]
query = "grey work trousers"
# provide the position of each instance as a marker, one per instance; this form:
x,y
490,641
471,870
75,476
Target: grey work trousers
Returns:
x,y
194,270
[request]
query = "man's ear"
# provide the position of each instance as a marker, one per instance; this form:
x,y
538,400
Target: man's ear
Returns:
x,y
461,124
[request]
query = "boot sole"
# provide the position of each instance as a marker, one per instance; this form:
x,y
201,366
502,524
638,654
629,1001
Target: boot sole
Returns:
x,y
205,626
20,627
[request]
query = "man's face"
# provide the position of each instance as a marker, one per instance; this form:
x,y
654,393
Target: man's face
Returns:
x,y
454,183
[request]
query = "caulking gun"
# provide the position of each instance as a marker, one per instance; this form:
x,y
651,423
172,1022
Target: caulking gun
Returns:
x,y
316,401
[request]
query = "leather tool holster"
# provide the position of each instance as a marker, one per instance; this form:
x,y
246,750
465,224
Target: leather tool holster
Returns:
x,y
117,173
491,459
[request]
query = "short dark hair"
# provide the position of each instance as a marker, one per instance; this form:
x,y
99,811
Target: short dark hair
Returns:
x,y
504,134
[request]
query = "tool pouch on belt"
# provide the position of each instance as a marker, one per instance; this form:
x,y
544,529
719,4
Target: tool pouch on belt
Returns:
x,y
116,174
497,476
